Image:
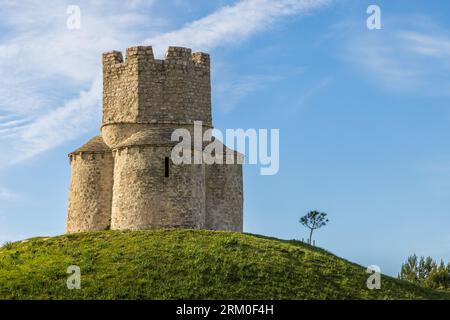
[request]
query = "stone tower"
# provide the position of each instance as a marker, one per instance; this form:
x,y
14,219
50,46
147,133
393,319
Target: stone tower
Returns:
x,y
124,178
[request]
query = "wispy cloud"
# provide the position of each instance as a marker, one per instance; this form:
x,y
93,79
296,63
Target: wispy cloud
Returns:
x,y
50,89
309,94
231,24
62,124
403,58
50,86
436,46
230,92
8,195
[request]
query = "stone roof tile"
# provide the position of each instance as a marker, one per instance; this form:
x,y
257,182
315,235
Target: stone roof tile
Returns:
x,y
96,144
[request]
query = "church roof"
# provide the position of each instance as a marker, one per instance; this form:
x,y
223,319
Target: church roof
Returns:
x,y
159,136
94,145
163,137
148,137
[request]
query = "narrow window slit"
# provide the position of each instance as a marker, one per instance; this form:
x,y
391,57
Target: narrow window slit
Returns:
x,y
166,167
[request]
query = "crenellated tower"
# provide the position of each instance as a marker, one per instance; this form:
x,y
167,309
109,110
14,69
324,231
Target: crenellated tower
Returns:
x,y
132,181
142,91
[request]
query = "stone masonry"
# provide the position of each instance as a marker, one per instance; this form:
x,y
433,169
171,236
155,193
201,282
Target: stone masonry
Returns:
x,y
124,178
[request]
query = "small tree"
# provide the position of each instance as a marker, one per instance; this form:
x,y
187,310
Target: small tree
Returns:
x,y
426,272
439,277
314,220
410,270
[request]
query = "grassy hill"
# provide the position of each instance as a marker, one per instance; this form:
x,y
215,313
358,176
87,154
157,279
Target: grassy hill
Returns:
x,y
186,264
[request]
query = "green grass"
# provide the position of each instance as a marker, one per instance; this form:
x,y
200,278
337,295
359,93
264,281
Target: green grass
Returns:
x,y
187,264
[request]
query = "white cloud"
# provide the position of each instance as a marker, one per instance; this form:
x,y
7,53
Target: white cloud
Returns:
x,y
7,195
229,92
403,58
50,89
437,46
62,124
231,24
50,81
310,93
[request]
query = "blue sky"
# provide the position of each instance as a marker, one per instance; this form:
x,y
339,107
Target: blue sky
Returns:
x,y
363,114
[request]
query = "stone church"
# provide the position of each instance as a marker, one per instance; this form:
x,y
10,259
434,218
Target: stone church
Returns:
x,y
124,178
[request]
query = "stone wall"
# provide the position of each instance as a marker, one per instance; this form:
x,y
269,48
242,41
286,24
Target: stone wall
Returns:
x,y
145,198
90,192
142,89
120,88
224,197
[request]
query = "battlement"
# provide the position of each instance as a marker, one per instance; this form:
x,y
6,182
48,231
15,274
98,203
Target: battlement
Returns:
x,y
144,55
145,90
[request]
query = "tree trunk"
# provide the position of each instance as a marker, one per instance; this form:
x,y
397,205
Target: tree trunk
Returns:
x,y
310,236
